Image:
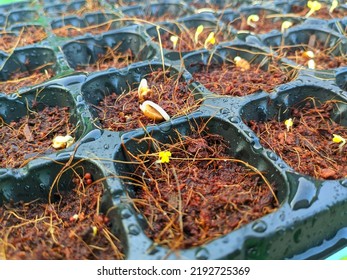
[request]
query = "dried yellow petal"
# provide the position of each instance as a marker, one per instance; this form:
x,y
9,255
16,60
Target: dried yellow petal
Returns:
x,y
164,157
338,139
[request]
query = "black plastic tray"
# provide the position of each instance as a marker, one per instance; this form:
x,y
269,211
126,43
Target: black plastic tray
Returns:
x,y
310,222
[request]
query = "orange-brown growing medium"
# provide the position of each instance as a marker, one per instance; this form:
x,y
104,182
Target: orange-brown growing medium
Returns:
x,y
27,36
228,79
31,136
122,112
71,228
200,194
307,147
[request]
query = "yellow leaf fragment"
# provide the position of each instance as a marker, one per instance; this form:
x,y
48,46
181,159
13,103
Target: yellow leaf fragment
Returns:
x,y
339,139
289,123
164,157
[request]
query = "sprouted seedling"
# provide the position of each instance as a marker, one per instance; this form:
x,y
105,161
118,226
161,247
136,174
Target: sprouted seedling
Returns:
x,y
154,111
333,6
164,157
285,25
242,63
339,140
251,19
197,33
308,54
95,230
143,90
313,6
210,40
174,40
311,64
62,142
289,124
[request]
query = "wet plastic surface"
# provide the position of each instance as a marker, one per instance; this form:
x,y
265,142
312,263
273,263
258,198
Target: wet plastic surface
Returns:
x,y
310,222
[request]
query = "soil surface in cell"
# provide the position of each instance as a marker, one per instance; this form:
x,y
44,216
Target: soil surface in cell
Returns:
x,y
69,228
229,79
186,40
26,36
307,146
31,136
199,193
322,13
73,31
121,112
265,24
322,58
24,79
112,58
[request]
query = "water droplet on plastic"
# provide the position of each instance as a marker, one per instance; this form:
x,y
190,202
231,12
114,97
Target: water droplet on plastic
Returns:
x,y
297,236
133,229
225,111
79,98
259,226
305,195
257,146
282,216
344,183
272,155
165,127
235,119
281,165
92,136
125,213
42,186
106,146
202,254
26,187
252,253
250,134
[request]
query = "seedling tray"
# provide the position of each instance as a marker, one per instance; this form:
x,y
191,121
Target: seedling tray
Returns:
x,y
156,186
